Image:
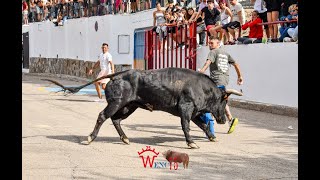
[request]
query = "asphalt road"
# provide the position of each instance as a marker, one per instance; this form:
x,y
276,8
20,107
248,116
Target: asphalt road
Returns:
x,y
261,147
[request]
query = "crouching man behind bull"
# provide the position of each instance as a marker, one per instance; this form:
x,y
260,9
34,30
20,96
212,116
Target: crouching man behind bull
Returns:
x,y
219,61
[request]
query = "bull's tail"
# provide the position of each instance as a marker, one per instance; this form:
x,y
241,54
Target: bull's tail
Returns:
x,y
77,89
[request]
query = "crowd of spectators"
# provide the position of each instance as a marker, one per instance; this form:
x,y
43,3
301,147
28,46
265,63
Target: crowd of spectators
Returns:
x,y
217,18
59,10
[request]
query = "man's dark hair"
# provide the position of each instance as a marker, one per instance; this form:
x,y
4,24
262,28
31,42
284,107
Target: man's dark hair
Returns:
x,y
257,12
105,44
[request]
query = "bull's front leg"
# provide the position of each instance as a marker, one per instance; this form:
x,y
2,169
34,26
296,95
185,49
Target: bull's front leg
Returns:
x,y
120,115
186,113
109,111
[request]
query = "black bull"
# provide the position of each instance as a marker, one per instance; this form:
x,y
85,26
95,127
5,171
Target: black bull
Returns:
x,y
180,92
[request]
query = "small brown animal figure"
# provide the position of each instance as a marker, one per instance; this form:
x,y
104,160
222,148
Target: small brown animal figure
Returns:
x,y
173,156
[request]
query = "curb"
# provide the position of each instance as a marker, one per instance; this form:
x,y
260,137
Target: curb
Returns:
x,y
238,103
264,107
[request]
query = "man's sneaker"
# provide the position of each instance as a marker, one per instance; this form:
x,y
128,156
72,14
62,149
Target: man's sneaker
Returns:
x,y
287,39
214,139
234,122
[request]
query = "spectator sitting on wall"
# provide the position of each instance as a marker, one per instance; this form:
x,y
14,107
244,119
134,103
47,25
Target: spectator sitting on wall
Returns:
x,y
259,5
211,17
256,31
285,4
237,20
293,34
158,18
293,10
225,19
158,23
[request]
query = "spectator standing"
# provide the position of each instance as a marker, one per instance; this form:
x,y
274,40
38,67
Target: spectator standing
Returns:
x,y
273,9
25,12
170,7
32,14
133,6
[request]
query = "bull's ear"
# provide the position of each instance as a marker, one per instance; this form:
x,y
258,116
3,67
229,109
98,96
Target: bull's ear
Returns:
x,y
225,96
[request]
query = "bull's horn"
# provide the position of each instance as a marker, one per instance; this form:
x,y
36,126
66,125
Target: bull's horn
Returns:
x,y
233,91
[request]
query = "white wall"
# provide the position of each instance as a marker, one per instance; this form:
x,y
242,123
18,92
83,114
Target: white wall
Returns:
x,y
270,72
77,39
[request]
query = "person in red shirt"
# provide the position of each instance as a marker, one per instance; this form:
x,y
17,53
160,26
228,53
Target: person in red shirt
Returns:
x,y
25,12
256,31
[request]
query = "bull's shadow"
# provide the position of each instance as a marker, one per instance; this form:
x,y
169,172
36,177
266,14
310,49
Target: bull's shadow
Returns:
x,y
147,127
153,140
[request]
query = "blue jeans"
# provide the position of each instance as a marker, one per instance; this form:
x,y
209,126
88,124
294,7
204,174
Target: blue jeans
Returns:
x,y
284,33
207,118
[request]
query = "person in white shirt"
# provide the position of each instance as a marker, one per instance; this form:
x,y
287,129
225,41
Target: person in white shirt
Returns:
x,y
237,20
106,66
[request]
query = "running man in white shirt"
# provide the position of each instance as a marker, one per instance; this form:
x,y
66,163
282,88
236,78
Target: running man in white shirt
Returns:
x,y
106,66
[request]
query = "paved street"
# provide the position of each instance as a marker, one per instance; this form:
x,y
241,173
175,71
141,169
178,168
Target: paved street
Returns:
x,y
261,147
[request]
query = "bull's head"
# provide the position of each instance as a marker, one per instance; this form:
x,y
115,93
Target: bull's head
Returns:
x,y
220,114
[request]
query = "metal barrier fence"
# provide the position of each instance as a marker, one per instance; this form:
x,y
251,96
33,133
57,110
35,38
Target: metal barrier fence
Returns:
x,y
173,46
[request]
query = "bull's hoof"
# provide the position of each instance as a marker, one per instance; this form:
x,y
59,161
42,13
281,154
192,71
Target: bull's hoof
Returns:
x,y
193,146
125,140
85,143
90,139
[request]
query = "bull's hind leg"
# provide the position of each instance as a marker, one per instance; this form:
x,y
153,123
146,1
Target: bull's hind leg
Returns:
x,y
197,120
109,111
123,113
